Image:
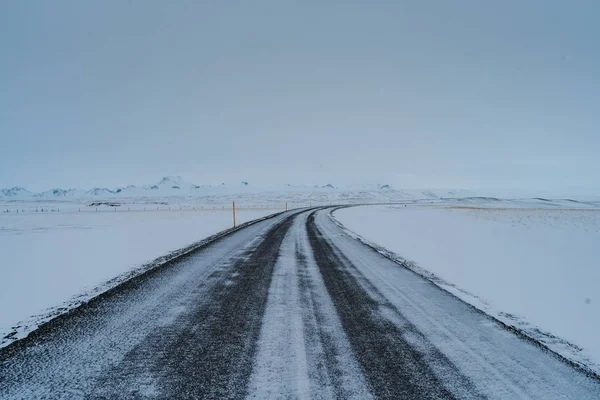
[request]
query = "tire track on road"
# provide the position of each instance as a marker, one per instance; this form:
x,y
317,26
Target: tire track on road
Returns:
x,y
118,345
207,352
393,367
303,350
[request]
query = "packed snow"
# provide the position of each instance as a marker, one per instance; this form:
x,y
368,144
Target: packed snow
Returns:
x,y
51,261
532,268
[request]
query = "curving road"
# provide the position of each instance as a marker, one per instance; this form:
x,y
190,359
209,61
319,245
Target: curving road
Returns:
x,y
288,307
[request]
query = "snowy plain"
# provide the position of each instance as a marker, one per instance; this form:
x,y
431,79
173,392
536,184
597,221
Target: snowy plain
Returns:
x,y
530,264
51,261
63,246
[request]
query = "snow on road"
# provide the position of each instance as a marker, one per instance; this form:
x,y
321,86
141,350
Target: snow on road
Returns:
x,y
288,307
535,269
300,330
48,259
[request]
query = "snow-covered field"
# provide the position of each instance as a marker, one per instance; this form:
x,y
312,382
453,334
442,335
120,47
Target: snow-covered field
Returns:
x,y
531,263
52,261
63,246
533,268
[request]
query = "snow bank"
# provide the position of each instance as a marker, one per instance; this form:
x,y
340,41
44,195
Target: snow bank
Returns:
x,y
49,258
535,269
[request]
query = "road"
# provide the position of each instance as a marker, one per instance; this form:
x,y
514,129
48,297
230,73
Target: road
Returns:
x,y
288,307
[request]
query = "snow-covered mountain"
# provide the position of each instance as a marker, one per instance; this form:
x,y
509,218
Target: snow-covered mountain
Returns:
x,y
16,193
174,183
176,186
100,192
75,193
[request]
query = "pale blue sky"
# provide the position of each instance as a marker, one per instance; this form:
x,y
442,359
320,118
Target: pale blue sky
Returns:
x,y
472,94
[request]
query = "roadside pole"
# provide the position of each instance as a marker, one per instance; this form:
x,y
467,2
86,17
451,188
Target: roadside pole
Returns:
x,y
233,208
286,206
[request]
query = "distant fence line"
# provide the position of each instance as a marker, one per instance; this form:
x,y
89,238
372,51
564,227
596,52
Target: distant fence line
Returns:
x,y
151,207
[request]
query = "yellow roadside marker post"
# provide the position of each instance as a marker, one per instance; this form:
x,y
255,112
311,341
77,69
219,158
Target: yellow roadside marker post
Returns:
x,y
233,208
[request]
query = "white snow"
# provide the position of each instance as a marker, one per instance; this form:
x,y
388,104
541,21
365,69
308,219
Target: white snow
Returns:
x,y
48,259
532,268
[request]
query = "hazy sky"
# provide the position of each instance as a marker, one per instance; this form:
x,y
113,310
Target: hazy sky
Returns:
x,y
474,94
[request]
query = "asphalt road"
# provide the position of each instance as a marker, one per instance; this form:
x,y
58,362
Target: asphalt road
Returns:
x,y
289,307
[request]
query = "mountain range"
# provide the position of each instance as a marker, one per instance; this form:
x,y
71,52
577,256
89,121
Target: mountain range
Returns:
x,y
175,186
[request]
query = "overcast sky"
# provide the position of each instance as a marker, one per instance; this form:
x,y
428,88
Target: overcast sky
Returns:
x,y
472,94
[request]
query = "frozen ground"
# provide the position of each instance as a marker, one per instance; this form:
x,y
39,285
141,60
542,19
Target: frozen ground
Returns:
x,y
530,267
52,261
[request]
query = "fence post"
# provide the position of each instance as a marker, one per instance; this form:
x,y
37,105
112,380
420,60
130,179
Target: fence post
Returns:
x,y
286,206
